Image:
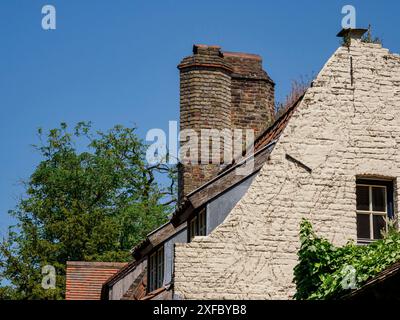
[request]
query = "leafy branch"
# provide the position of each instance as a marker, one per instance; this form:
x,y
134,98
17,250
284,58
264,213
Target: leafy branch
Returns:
x,y
320,272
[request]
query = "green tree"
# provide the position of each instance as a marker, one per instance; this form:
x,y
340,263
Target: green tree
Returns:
x,y
91,205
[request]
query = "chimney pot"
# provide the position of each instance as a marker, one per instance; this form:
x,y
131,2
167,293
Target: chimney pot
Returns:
x,y
352,33
207,50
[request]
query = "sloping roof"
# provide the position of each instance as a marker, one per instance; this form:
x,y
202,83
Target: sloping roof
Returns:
x,y
129,267
383,286
156,237
275,130
85,279
225,180
263,146
121,273
137,290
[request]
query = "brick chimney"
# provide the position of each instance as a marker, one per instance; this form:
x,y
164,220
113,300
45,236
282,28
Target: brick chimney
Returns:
x,y
221,91
252,92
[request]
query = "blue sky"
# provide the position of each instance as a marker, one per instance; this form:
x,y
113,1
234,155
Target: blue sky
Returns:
x,y
114,61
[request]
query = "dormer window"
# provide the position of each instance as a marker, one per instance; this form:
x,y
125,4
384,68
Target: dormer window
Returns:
x,y
374,208
156,270
197,225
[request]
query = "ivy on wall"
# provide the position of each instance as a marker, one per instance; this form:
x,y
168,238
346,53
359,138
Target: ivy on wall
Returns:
x,y
328,272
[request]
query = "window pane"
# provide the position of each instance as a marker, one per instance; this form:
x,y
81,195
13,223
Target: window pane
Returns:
x,y
378,199
202,223
152,267
379,226
363,227
193,228
363,198
160,268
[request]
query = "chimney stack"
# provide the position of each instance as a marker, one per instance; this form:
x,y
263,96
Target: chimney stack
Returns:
x,y
221,91
252,92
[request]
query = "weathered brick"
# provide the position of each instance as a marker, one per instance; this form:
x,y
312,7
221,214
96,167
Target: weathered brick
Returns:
x,y
221,91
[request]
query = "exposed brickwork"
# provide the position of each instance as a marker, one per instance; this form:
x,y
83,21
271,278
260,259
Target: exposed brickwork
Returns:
x,y
220,91
252,93
347,125
204,104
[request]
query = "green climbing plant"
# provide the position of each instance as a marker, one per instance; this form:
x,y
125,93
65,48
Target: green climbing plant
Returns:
x,y
325,271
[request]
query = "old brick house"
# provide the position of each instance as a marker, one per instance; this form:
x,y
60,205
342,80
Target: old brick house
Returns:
x,y
219,90
332,158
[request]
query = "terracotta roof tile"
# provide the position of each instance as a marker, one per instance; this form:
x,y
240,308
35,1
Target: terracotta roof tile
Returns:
x,y
275,130
85,279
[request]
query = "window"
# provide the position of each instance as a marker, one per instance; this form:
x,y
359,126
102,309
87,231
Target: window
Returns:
x,y
197,225
374,207
156,270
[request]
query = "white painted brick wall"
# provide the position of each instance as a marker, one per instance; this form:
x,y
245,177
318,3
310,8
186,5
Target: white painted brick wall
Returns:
x,y
340,131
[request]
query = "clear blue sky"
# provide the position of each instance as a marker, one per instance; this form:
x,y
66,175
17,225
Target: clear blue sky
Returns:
x,y
114,61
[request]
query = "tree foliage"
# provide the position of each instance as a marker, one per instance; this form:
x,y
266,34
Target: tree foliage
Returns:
x,y
90,205
323,271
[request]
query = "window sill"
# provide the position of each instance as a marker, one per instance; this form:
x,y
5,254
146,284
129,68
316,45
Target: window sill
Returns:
x,y
365,242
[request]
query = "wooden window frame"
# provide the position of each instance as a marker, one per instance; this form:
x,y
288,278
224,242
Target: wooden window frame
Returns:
x,y
197,225
156,269
202,223
389,205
